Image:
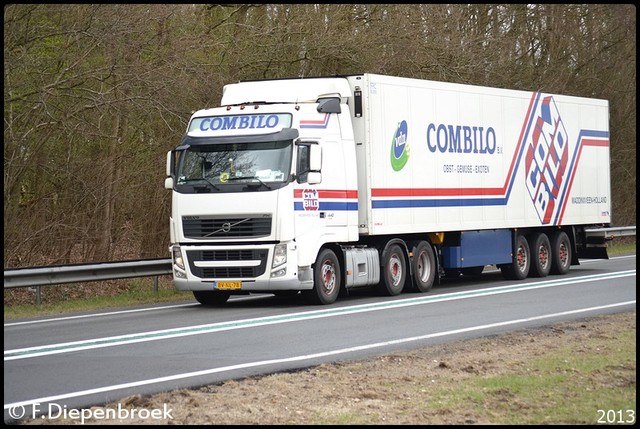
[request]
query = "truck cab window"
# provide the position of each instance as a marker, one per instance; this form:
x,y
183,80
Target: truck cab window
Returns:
x,y
237,163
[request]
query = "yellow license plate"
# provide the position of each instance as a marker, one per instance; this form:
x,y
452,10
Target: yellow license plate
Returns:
x,y
228,285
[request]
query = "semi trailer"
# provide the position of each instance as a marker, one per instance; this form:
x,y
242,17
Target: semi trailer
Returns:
x,y
322,185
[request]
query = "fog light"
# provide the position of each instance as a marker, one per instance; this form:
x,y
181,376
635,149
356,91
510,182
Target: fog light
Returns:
x,y
281,272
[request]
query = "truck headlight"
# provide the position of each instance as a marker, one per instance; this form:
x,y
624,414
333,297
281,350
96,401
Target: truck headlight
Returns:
x,y
279,255
177,258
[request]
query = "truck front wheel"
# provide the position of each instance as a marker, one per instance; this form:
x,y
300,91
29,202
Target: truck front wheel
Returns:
x,y
326,279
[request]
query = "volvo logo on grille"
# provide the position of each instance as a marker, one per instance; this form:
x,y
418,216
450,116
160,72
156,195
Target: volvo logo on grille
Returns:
x,y
225,227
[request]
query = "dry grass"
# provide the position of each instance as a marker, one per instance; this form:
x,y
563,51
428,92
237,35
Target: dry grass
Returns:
x,y
561,374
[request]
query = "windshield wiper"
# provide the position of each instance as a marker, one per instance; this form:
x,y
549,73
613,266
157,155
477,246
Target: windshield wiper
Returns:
x,y
199,179
212,184
249,178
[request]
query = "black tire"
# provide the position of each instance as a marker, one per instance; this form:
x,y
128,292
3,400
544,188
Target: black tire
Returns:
x,y
211,297
518,269
561,253
326,279
423,266
472,271
540,255
394,271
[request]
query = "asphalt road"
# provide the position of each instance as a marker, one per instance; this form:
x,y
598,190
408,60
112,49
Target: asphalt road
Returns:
x,y
80,360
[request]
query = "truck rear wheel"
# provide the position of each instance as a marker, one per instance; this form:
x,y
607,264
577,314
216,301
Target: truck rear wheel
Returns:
x,y
560,253
540,255
519,268
211,297
423,264
394,271
326,279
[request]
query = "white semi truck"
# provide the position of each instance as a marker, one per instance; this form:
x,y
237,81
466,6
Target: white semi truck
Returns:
x,y
322,185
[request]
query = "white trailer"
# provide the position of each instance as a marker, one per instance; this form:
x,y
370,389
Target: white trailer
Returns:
x,y
327,184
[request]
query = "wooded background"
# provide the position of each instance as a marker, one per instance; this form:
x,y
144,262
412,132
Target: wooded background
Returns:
x,y
95,95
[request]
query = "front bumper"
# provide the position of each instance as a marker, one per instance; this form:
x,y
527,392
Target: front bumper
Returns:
x,y
248,266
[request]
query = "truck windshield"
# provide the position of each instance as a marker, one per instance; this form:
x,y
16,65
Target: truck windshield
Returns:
x,y
218,165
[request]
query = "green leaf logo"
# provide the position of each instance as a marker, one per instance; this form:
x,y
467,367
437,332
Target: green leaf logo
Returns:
x,y
400,147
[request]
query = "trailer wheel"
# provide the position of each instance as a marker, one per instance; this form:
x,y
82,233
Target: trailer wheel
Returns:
x,y
394,271
519,268
211,297
560,253
423,266
326,279
540,255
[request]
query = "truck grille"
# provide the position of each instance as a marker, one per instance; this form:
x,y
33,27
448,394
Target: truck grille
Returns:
x,y
236,227
228,271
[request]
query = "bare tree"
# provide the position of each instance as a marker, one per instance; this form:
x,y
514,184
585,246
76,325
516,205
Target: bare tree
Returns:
x,y
96,94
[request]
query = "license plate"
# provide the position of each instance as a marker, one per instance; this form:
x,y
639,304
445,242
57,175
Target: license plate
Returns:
x,y
227,285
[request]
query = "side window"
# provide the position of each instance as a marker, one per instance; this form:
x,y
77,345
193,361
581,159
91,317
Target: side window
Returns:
x,y
302,166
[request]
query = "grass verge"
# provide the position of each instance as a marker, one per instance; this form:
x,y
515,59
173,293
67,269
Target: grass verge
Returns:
x,y
125,294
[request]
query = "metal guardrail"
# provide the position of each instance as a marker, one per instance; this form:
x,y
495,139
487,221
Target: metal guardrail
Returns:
x,y
61,274
78,273
43,276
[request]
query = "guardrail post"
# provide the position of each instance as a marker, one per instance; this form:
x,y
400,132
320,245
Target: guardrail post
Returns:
x,y
38,295
155,284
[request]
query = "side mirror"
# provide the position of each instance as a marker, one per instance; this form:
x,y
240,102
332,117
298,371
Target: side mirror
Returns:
x,y
315,157
329,105
314,177
169,163
168,182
